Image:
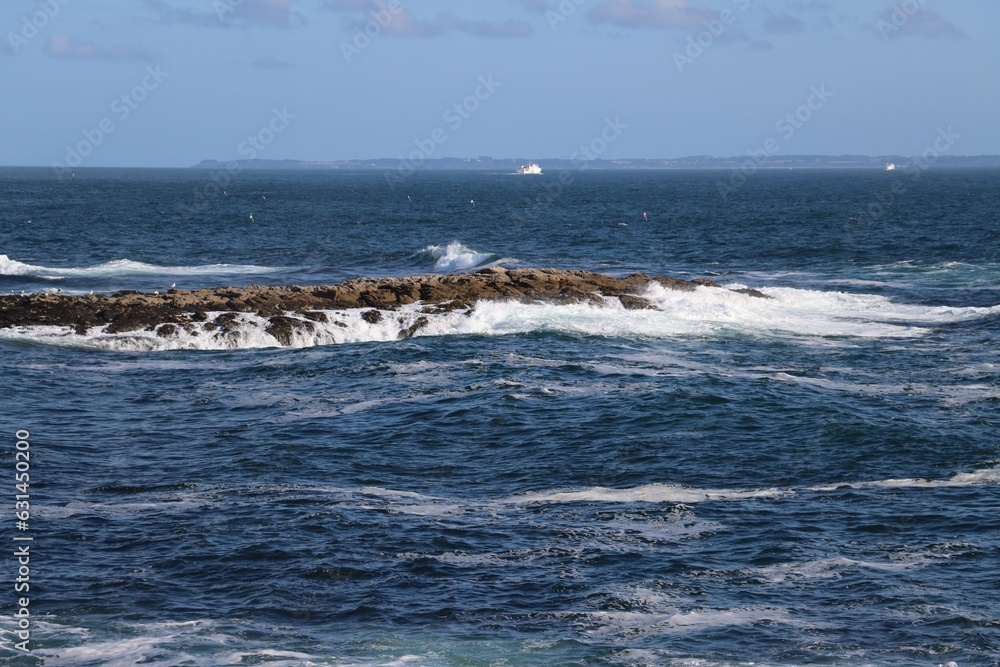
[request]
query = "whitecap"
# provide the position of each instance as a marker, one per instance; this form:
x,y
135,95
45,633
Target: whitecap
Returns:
x,y
125,267
457,257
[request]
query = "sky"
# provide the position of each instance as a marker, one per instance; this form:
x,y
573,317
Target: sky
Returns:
x,y
168,83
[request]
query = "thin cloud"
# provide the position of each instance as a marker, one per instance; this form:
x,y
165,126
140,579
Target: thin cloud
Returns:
x,y
660,14
492,29
168,15
895,22
64,46
270,62
404,23
783,23
540,6
229,13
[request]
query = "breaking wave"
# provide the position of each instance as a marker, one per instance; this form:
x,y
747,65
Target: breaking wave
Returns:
x,y
456,257
123,267
707,311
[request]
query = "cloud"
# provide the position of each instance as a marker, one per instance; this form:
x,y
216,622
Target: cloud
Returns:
x,y
660,14
896,22
167,15
270,62
494,29
63,46
404,23
783,23
229,13
540,6
806,5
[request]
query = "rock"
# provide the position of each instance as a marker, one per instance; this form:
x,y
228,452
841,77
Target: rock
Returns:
x,y
129,310
752,292
269,311
284,328
412,329
313,315
227,321
631,302
166,330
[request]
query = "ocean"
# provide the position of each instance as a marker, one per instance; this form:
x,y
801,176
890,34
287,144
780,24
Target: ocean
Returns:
x,y
811,478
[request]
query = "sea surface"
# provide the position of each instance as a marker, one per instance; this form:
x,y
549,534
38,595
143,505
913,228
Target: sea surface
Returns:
x,y
809,479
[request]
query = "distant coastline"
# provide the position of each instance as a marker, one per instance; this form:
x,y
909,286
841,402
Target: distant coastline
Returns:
x,y
486,163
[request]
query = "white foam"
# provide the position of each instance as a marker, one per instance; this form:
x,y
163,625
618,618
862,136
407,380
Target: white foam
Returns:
x,y
628,624
124,267
669,493
167,506
649,493
127,652
981,477
807,312
829,568
457,257
124,652
705,311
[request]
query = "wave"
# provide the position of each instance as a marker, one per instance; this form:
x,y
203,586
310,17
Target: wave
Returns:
x,y
670,493
649,493
138,643
706,311
456,257
123,267
402,502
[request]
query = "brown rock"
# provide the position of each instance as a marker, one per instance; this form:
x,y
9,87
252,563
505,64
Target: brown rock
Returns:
x,y
752,292
283,328
166,330
129,310
314,315
631,302
412,329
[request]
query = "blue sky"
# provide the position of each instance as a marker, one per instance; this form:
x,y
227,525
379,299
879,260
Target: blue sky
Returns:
x,y
171,82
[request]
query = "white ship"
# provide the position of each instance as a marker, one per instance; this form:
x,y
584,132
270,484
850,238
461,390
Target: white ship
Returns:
x,y
530,168
890,167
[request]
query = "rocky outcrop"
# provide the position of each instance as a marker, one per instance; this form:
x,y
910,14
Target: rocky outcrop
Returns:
x,y
131,311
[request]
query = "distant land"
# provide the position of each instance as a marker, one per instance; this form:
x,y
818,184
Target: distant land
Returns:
x,y
486,163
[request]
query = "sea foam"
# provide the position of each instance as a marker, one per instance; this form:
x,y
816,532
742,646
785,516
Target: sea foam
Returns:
x,y
124,267
457,257
707,311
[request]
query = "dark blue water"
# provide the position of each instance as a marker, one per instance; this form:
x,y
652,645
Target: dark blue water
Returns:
x,y
807,479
